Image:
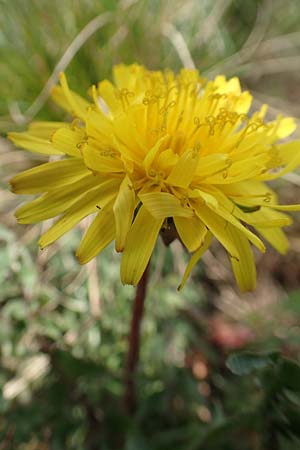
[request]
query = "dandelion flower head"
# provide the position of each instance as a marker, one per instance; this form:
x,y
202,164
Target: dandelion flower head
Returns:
x,y
155,151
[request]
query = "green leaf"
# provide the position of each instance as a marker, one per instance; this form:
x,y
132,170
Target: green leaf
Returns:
x,y
247,362
292,420
76,367
292,303
290,374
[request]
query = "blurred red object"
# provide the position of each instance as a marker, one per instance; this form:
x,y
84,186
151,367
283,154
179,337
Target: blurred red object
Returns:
x,y
229,336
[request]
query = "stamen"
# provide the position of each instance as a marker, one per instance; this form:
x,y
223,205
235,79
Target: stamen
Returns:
x,y
76,123
123,95
155,131
197,122
224,171
196,150
184,201
195,88
211,122
179,119
249,128
157,177
152,173
109,152
268,197
165,109
214,98
80,144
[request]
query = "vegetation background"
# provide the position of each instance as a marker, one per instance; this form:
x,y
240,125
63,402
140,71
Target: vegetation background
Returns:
x,y
63,328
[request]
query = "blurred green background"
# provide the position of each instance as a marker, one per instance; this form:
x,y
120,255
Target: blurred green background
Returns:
x,y
63,328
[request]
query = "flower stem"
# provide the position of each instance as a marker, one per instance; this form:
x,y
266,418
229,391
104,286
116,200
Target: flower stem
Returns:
x,y
134,344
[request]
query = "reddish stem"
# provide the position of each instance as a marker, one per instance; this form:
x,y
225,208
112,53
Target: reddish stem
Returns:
x,y
134,344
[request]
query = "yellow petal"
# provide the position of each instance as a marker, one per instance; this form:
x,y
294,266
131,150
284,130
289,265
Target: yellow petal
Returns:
x,y
191,231
139,246
43,129
167,159
59,97
226,210
289,154
104,159
264,217
183,172
243,269
99,126
249,193
99,234
110,95
244,169
126,76
138,116
56,201
217,225
208,198
123,212
69,100
276,237
251,236
86,205
34,144
48,176
153,152
195,258
243,103
163,204
68,140
286,207
211,164
286,126
224,86
127,134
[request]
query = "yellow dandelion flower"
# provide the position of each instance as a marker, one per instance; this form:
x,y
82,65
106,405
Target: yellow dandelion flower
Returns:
x,y
154,151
